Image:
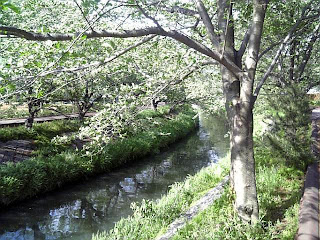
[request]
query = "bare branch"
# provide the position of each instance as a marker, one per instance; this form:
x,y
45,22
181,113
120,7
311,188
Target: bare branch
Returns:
x,y
208,24
244,43
29,35
285,41
84,16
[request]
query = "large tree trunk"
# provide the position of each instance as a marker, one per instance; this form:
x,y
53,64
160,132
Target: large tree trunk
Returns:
x,y
29,121
243,162
242,169
238,93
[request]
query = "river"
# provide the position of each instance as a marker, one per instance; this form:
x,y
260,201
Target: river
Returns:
x,y
78,211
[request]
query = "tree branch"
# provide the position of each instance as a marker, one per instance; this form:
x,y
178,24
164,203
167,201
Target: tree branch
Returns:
x,y
268,49
148,16
194,69
244,43
185,76
308,52
84,16
106,61
29,35
227,27
184,11
126,34
208,24
285,41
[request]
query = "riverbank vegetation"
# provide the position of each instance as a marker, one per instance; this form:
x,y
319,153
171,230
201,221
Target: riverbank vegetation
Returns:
x,y
279,196
279,174
46,172
282,153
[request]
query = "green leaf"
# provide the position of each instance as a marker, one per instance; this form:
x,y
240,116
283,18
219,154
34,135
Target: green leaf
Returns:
x,y
11,86
8,5
2,90
113,45
40,93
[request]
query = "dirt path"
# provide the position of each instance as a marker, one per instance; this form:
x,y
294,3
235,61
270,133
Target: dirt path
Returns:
x,y
20,121
20,150
15,150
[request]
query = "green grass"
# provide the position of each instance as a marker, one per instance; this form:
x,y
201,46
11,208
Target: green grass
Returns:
x,y
44,173
151,218
39,131
279,192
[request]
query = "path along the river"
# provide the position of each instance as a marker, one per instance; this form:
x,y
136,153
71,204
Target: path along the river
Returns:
x,y
20,150
309,206
21,121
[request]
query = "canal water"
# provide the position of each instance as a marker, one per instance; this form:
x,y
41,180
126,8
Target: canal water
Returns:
x,y
78,211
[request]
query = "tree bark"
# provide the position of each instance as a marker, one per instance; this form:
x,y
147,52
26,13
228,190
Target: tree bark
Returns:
x,y
238,93
29,122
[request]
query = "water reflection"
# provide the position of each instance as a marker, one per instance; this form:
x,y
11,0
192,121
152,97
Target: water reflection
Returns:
x,y
83,209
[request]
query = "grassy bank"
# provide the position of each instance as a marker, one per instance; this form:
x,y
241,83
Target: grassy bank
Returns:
x,y
279,192
40,131
151,218
44,173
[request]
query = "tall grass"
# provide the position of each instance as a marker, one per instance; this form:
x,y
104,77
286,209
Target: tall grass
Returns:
x,y
279,192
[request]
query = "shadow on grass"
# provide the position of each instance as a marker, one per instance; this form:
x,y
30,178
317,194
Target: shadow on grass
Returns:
x,y
276,210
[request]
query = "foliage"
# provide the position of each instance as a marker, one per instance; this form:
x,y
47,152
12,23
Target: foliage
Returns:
x,y
203,29
19,111
6,4
42,173
291,128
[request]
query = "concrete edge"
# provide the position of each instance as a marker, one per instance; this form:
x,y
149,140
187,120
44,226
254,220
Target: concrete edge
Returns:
x,y
309,206
202,204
